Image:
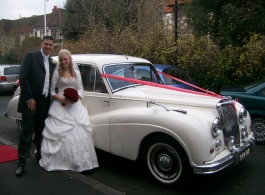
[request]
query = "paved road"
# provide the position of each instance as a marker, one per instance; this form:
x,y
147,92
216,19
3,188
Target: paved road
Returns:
x,y
129,178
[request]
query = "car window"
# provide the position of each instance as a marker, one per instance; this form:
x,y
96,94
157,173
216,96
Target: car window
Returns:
x,y
140,74
91,78
144,72
11,70
247,87
175,72
262,92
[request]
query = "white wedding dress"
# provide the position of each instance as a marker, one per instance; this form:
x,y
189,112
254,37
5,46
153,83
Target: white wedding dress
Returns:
x,y
67,142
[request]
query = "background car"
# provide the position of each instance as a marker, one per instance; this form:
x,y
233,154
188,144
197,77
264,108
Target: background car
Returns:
x,y
8,76
177,72
251,96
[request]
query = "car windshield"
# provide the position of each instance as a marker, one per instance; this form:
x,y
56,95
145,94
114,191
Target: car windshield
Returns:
x,y
144,72
247,87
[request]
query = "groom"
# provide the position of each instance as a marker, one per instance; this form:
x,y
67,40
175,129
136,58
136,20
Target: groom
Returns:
x,y
34,101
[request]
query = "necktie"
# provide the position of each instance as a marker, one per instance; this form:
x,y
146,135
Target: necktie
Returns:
x,y
47,76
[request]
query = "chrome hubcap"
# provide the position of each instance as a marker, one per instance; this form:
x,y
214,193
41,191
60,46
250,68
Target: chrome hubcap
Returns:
x,y
164,162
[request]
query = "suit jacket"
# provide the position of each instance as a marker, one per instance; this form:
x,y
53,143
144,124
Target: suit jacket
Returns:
x,y
31,78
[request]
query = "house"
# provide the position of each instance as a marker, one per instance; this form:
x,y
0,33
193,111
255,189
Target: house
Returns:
x,y
53,21
168,17
13,32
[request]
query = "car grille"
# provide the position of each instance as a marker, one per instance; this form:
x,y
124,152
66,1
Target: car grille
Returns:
x,y
227,113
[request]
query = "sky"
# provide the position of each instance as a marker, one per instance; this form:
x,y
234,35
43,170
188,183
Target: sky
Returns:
x,y
15,9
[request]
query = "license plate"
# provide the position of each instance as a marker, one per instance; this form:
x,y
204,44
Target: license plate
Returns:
x,y
244,154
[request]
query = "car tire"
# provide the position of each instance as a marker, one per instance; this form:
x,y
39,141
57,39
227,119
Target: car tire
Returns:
x,y
258,128
166,161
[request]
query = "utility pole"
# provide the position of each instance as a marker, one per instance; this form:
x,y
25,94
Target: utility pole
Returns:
x,y
45,29
176,19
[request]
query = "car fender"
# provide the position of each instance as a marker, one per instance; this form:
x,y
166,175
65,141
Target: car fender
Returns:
x,y
11,109
130,126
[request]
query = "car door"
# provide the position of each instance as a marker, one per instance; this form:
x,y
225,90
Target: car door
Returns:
x,y
96,99
254,100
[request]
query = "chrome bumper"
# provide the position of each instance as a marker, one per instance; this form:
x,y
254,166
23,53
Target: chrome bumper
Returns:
x,y
232,158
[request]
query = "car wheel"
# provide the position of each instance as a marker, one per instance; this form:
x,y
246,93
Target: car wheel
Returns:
x,y
166,161
258,128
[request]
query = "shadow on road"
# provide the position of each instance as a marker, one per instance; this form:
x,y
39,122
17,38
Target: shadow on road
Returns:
x,y
129,177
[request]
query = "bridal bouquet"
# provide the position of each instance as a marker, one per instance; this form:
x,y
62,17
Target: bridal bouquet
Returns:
x,y
70,94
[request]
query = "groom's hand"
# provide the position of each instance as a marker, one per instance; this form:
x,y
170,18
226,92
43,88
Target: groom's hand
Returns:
x,y
31,104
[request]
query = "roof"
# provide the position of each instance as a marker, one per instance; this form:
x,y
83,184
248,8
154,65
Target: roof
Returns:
x,y
163,66
102,59
170,5
53,19
22,25
8,65
19,25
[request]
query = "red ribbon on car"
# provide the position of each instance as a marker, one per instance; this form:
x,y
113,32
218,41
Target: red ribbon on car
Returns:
x,y
174,78
208,93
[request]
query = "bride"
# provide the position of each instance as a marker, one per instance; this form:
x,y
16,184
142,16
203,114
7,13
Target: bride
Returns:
x,y
67,142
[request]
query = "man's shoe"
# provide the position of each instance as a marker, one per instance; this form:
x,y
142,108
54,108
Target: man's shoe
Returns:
x,y
20,171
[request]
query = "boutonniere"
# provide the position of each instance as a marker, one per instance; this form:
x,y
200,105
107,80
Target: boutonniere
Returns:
x,y
54,62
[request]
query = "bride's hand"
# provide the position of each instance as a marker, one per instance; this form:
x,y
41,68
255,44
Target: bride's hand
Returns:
x,y
63,100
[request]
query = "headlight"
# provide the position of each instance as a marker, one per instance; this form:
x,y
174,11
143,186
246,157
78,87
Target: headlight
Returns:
x,y
244,133
217,127
231,143
218,144
242,115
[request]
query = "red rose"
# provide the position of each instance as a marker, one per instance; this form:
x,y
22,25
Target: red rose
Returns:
x,y
70,94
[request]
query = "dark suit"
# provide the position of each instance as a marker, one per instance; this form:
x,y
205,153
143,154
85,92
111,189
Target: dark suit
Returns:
x,y
32,77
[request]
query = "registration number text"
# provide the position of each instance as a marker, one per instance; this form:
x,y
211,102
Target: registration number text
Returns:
x,y
244,154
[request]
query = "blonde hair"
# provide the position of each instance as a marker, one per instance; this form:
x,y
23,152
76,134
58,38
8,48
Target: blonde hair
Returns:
x,y
71,66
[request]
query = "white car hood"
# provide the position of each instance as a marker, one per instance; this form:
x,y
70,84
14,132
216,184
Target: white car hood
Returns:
x,y
167,96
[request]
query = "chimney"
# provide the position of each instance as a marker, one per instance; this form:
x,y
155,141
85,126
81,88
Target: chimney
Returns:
x,y
54,8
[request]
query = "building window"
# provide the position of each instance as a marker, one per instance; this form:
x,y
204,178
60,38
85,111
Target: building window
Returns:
x,y
55,33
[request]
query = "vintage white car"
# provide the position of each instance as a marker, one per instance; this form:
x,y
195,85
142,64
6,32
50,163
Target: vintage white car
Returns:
x,y
171,130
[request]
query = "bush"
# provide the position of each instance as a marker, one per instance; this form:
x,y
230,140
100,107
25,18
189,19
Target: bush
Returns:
x,y
210,67
214,69
10,57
